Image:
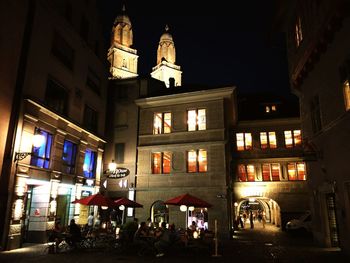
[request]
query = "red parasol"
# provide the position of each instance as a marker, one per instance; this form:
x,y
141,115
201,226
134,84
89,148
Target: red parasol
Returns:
x,y
96,199
126,202
188,200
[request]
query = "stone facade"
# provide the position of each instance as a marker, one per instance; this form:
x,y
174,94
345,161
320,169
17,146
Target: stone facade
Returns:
x,y
205,185
59,82
319,73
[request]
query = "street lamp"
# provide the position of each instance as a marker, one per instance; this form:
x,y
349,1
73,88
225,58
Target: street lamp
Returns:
x,y
112,166
38,140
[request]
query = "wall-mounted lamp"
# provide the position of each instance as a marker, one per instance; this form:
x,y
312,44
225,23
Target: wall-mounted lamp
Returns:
x,y
38,140
112,166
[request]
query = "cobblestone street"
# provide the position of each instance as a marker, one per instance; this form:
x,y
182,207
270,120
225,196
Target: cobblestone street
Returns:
x,y
249,245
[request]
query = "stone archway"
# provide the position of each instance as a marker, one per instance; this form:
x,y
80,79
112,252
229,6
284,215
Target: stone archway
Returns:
x,y
269,206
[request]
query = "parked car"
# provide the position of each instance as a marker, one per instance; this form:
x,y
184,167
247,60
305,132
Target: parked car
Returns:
x,y
303,223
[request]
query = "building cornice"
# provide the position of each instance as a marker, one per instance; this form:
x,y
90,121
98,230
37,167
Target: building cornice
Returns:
x,y
186,97
259,123
70,124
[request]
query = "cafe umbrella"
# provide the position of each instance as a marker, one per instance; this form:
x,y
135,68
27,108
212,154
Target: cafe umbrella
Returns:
x,y
188,201
95,199
124,202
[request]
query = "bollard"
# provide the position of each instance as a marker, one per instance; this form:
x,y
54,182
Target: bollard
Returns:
x,y
216,240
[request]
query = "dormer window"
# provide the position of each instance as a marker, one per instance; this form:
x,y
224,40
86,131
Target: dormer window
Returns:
x,y
270,108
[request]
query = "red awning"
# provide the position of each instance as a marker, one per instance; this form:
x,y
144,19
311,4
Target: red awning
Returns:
x,y
126,202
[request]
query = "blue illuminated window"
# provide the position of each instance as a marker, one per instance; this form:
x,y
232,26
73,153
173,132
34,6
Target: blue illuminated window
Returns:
x,y
41,155
89,166
69,156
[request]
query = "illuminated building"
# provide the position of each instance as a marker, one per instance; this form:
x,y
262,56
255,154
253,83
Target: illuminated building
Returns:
x,y
188,139
269,167
59,83
318,56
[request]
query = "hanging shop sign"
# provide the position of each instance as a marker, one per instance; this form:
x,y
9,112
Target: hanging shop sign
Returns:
x,y
119,172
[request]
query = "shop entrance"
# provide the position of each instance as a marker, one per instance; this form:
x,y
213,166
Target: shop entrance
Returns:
x,y
62,208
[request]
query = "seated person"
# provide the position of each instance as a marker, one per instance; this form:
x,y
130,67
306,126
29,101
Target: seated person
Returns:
x,y
56,234
74,233
141,236
162,240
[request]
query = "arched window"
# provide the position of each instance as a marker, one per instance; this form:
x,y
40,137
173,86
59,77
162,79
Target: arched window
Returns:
x,y
159,212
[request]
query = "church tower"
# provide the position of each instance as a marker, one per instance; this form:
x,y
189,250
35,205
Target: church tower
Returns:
x,y
121,56
166,70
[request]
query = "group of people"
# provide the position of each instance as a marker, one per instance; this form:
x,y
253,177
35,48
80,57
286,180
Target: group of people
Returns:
x,y
159,238
252,216
72,234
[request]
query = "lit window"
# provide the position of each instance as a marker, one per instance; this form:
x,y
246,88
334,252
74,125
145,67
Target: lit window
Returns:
x,y
244,141
242,173
271,172
272,140
292,138
69,156
270,108
263,140
296,171
161,163
266,172
41,155
162,123
297,137
197,161
246,172
347,95
202,161
298,32
196,120
268,140
89,166
275,172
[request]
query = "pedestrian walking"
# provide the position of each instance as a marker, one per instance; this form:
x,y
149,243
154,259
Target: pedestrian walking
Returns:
x,y
251,219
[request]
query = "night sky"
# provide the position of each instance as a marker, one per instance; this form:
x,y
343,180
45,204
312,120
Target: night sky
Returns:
x,y
215,44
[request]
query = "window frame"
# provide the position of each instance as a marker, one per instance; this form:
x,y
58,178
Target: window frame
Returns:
x,y
162,127
47,145
91,173
70,164
56,96
90,123
245,172
296,170
293,138
198,163
245,146
197,121
162,162
268,140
